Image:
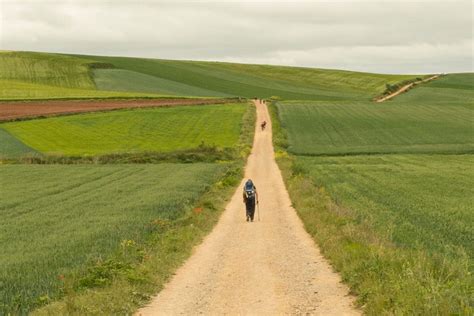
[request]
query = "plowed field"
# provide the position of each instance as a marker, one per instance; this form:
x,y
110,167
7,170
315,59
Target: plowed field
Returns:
x,y
18,110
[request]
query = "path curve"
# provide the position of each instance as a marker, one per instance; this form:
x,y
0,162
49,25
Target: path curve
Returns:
x,y
271,267
405,88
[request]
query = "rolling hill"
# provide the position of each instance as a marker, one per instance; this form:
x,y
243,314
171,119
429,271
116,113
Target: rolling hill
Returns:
x,y
44,75
384,188
435,117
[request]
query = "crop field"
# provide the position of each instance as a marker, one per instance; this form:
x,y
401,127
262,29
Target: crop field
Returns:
x,y
405,125
399,228
12,147
46,69
14,110
453,88
386,189
18,90
27,75
425,200
243,80
156,129
318,128
59,218
126,80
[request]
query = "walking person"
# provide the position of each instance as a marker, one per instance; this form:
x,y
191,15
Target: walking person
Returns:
x,y
250,196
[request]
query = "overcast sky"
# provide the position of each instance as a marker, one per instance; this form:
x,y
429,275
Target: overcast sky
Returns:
x,y
377,36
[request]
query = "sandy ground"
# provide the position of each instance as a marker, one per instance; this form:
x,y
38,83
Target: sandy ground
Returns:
x,y
31,109
268,267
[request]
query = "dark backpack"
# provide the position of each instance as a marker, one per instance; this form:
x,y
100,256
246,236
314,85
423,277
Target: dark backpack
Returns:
x,y
249,190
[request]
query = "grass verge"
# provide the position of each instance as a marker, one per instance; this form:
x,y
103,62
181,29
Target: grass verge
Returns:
x,y
203,153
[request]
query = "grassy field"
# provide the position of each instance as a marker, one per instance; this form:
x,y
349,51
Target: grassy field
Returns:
x,y
318,128
426,203
17,90
247,80
56,219
419,121
100,238
126,80
26,75
156,129
399,226
12,147
29,75
378,186
46,69
452,88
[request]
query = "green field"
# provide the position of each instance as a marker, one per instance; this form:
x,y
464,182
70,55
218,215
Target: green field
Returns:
x,y
399,228
56,219
248,80
46,69
125,131
72,231
419,121
18,90
126,80
425,200
385,189
376,187
29,75
11,146
452,88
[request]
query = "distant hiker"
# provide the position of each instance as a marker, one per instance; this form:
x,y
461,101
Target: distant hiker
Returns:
x,y
264,123
250,199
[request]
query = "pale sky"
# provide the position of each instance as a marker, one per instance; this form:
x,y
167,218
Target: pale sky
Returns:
x,y
377,36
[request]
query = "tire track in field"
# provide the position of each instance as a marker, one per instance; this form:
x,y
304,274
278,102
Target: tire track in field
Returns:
x,y
268,267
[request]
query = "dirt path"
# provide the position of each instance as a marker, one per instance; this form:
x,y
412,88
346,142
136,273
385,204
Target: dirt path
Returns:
x,y
30,109
406,88
271,267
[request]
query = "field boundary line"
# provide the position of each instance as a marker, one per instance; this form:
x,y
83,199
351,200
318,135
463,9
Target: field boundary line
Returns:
x,y
405,88
93,106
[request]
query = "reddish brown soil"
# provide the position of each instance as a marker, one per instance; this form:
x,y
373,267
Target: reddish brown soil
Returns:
x,y
29,109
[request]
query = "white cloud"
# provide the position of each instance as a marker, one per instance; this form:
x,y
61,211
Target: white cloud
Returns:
x,y
378,36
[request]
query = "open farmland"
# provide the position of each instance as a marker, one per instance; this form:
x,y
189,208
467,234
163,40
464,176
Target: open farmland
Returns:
x,y
384,188
18,90
398,227
242,79
126,80
20,110
396,223
61,219
415,122
328,128
46,69
124,131
427,202
27,75
12,147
